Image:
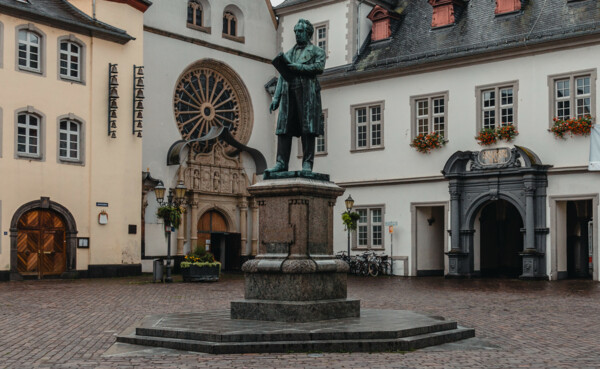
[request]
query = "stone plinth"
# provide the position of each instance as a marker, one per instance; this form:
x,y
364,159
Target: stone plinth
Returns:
x,y
295,277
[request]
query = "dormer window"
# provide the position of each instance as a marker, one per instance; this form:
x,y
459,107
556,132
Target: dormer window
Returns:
x,y
444,12
507,6
381,19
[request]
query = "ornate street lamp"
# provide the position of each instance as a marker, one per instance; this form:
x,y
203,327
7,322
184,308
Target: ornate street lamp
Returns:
x,y
349,204
173,201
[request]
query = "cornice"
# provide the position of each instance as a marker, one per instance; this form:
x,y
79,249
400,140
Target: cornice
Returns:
x,y
345,78
210,45
305,6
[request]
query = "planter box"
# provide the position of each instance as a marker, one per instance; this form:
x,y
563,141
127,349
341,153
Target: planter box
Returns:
x,y
200,274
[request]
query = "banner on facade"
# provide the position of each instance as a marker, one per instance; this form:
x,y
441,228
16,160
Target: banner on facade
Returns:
x,y
595,148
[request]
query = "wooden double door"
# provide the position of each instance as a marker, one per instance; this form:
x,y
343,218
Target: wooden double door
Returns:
x,y
41,244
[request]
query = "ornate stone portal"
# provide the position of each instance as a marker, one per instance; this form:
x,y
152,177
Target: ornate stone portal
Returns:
x,y
295,277
516,175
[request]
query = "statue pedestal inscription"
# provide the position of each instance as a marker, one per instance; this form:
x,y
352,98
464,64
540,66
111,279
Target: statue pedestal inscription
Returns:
x,y
295,277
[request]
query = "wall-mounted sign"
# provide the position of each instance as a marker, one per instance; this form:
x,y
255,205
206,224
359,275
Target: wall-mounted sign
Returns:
x,y
83,243
494,156
391,224
103,217
102,204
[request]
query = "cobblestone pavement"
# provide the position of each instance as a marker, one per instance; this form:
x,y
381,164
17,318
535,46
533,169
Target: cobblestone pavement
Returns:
x,y
71,324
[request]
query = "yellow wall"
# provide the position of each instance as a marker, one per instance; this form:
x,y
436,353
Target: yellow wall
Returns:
x,y
112,170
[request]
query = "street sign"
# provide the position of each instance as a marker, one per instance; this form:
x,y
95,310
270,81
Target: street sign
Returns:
x,y
391,224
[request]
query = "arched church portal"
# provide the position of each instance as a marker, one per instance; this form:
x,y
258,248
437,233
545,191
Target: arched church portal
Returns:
x,y
225,246
494,184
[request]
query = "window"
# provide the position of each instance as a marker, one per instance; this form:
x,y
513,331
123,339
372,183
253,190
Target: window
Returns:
x,y
29,51
430,114
28,134
194,14
369,232
229,24
367,126
572,95
69,140
70,60
321,141
320,36
497,105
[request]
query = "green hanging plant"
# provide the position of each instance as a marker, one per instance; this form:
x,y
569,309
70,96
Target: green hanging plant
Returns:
x,y
350,220
171,215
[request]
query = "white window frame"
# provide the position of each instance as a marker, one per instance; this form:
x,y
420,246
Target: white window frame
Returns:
x,y
41,69
371,126
322,138
68,140
316,40
419,116
28,44
497,109
28,113
69,54
574,95
369,225
71,118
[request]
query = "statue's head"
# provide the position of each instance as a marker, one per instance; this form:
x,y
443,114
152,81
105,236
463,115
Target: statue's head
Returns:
x,y
304,31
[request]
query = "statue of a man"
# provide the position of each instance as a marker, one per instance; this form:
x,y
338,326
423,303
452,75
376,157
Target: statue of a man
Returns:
x,y
299,99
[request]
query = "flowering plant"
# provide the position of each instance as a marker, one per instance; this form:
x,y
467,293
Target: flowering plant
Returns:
x,y
199,257
171,215
575,126
507,132
426,142
486,136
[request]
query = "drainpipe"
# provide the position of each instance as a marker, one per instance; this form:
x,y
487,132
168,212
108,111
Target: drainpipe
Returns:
x,y
94,9
358,26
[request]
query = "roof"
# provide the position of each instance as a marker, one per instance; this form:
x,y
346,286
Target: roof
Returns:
x,y
61,14
477,31
287,3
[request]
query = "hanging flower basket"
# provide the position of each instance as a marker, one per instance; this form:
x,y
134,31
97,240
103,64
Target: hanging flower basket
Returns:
x,y
171,215
350,220
507,132
574,126
426,142
486,137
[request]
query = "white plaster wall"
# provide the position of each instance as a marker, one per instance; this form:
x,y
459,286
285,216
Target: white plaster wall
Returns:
x,y
167,58
259,30
336,14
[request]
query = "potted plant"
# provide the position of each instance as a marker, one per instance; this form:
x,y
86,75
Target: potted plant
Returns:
x,y
426,142
486,137
200,266
575,126
506,132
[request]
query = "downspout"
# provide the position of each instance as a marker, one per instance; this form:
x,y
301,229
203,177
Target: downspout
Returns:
x,y
358,27
94,9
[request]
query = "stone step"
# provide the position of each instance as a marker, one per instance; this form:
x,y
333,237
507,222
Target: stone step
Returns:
x,y
290,335
334,345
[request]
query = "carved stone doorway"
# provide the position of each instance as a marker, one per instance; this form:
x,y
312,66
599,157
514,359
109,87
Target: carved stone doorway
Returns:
x,y
225,246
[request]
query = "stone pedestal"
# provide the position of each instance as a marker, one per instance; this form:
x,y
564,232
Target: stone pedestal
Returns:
x,y
295,277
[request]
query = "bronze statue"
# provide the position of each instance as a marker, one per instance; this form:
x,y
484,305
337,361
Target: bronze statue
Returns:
x,y
298,95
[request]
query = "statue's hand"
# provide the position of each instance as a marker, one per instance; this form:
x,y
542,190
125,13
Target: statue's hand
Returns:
x,y
274,105
295,66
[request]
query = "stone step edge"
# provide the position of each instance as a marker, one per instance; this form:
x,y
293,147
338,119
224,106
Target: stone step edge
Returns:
x,y
373,345
292,336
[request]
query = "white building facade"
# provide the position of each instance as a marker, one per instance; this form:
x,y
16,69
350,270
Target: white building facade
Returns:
x,y
457,68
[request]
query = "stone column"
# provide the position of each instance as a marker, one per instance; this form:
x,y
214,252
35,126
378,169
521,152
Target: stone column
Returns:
x,y
529,219
194,227
458,256
254,235
533,259
244,225
181,234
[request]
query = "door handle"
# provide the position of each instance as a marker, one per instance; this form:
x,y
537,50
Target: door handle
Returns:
x,y
48,252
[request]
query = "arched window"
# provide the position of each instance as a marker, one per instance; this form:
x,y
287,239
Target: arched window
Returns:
x,y
69,140
194,14
29,55
229,24
28,134
70,60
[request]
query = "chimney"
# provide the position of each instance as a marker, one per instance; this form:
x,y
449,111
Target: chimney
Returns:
x,y
507,6
443,12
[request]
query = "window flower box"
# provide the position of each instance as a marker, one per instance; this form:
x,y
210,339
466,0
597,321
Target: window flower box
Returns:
x,y
507,132
424,143
574,126
486,137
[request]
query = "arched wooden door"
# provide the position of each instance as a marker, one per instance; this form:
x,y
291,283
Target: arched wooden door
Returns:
x,y
41,246
211,221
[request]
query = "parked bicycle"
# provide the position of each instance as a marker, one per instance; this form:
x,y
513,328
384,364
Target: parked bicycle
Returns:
x,y
367,263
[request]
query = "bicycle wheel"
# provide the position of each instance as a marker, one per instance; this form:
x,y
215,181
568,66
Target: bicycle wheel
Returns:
x,y
373,269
